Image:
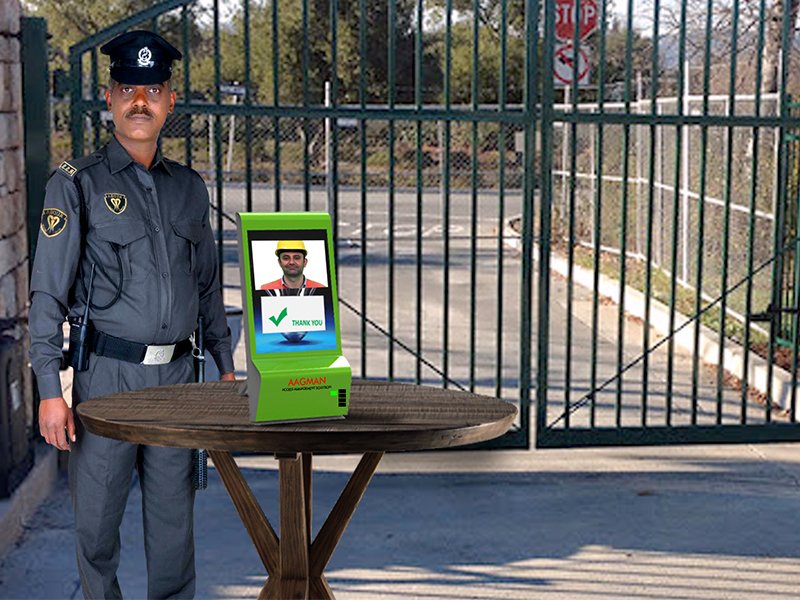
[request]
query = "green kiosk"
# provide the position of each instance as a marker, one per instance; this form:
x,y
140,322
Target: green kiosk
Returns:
x,y
295,367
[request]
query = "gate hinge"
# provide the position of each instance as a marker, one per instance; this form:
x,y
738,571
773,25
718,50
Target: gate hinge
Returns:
x,y
773,313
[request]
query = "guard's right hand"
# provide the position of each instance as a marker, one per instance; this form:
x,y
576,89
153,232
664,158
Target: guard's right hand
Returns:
x,y
56,422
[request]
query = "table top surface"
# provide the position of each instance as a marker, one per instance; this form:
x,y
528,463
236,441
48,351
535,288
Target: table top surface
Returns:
x,y
382,417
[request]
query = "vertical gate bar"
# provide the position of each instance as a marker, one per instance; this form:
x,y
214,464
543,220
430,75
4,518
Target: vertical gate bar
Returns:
x,y
752,217
334,19
648,286
445,157
276,122
473,188
218,144
418,49
573,157
306,143
93,97
795,299
598,212
545,205
727,213
248,119
677,174
391,60
36,127
501,197
76,101
362,126
780,208
573,127
701,212
187,87
623,243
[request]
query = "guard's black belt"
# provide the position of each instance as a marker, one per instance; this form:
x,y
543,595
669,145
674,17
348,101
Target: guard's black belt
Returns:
x,y
114,347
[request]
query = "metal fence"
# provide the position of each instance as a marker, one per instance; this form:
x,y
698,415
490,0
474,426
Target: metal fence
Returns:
x,y
421,171
419,192
677,180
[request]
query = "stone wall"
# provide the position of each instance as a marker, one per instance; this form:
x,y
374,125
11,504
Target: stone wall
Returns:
x,y
13,201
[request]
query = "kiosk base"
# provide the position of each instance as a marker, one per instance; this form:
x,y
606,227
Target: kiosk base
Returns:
x,y
295,389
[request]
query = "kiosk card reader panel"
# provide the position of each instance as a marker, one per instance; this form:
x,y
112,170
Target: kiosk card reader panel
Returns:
x,y
295,367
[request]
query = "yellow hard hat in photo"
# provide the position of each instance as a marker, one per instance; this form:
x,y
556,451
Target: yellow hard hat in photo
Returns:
x,y
296,245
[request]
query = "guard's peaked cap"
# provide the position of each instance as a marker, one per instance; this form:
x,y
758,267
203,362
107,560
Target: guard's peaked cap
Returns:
x,y
140,57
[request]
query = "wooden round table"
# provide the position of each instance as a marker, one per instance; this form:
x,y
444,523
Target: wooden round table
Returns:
x,y
382,417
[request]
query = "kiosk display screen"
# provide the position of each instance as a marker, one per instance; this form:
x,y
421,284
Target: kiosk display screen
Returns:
x,y
292,301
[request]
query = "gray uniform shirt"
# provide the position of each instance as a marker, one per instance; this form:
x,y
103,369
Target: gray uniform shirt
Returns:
x,y
154,226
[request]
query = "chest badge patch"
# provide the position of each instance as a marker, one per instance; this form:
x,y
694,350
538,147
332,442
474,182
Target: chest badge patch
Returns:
x,y
53,222
116,203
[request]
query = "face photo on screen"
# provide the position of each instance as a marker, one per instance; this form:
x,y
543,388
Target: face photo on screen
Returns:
x,y
292,303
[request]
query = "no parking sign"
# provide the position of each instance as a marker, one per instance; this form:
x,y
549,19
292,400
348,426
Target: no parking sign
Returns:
x,y
571,64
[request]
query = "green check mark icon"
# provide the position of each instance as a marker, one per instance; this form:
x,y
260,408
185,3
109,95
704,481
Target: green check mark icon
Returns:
x,y
277,320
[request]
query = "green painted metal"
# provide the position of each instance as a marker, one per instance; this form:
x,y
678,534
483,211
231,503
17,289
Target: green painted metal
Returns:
x,y
429,137
673,289
36,116
248,102
623,233
678,246
723,313
754,179
446,142
418,87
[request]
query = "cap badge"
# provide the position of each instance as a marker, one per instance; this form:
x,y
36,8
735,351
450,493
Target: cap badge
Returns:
x,y
144,57
116,203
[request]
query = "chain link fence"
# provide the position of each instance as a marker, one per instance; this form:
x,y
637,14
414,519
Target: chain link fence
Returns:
x,y
676,175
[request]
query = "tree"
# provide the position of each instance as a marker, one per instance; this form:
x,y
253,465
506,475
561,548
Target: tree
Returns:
x,y
70,21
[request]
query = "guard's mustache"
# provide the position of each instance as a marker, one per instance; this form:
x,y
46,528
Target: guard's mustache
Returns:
x,y
139,111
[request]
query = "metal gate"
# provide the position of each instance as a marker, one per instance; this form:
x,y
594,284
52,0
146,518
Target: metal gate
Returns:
x,y
313,106
668,213
660,194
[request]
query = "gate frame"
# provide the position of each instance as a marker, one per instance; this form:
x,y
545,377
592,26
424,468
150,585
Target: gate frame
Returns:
x,y
527,117
547,435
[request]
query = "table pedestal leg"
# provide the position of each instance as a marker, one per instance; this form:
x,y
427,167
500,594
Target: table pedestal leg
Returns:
x,y
255,522
294,566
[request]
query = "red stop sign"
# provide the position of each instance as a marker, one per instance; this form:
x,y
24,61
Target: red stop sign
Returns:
x,y
565,18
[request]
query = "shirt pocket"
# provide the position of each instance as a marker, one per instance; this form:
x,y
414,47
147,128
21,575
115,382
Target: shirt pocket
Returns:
x,y
131,243
189,233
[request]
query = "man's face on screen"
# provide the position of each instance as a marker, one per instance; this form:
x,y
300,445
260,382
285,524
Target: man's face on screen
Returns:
x,y
292,263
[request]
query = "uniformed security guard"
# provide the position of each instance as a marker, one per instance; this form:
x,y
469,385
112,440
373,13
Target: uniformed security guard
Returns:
x,y
141,222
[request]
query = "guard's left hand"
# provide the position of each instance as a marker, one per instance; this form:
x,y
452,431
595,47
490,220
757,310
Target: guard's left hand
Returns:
x,y
227,377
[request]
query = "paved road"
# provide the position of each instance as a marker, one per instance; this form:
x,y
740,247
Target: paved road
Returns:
x,y
710,523
645,523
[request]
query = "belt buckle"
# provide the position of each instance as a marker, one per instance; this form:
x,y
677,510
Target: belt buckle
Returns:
x,y
158,355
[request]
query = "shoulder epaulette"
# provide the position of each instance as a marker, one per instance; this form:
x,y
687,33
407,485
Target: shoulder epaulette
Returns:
x,y
70,168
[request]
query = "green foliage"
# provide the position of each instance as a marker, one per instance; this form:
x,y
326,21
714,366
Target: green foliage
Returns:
x,y
70,21
292,64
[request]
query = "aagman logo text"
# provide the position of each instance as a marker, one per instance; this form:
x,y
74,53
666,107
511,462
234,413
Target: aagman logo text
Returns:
x,y
303,381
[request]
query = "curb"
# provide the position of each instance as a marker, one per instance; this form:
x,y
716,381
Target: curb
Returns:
x,y
16,511
733,357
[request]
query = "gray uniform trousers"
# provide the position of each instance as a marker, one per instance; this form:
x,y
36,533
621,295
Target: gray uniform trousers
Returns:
x,y
100,472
